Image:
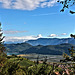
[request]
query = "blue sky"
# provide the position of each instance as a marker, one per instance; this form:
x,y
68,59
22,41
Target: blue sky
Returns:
x,y
34,19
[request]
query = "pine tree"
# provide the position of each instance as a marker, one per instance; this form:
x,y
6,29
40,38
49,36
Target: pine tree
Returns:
x,y
2,48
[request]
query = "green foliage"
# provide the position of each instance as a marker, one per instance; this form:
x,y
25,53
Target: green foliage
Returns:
x,y
22,61
40,69
12,69
71,51
2,49
58,69
26,63
66,56
22,66
15,65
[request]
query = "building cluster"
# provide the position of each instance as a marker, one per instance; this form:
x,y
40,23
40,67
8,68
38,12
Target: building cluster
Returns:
x,y
64,69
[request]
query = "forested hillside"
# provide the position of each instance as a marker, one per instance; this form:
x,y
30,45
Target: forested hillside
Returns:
x,y
25,48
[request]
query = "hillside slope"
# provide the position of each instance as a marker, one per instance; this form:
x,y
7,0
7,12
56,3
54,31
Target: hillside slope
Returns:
x,y
25,48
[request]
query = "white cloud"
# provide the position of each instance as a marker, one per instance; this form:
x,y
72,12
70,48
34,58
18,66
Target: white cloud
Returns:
x,y
44,4
6,3
39,36
21,39
55,35
13,32
49,3
52,35
64,34
26,4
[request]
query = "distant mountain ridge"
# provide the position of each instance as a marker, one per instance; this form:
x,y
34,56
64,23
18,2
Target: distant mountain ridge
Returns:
x,y
52,46
17,47
49,49
25,48
51,41
44,41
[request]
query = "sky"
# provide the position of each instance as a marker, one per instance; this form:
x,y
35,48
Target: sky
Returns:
x,y
32,19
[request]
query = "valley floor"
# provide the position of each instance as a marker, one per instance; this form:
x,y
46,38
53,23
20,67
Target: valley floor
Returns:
x,y
41,57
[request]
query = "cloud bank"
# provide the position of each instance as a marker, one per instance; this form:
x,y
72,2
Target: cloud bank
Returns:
x,y
26,4
26,38
21,39
55,35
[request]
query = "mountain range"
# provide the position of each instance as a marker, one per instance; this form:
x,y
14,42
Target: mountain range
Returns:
x,y
44,41
51,41
52,46
25,48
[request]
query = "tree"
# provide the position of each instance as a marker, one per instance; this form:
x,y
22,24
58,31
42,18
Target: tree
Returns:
x,y
72,36
66,56
45,60
67,4
71,51
2,48
37,62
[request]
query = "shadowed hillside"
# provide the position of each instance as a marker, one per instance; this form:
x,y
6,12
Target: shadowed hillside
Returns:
x,y
25,48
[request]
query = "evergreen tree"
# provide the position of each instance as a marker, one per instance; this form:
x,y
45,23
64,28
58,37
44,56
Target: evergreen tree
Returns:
x,y
2,49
